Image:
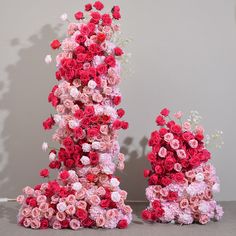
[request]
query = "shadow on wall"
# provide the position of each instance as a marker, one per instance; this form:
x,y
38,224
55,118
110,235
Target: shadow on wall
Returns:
x,y
132,179
31,81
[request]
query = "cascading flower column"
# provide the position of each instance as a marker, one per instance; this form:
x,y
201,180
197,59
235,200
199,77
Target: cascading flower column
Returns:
x,y
181,180
85,193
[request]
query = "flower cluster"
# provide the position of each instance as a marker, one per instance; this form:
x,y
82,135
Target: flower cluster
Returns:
x,y
85,193
181,181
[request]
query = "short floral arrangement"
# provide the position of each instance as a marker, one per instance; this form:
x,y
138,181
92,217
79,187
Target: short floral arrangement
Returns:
x,y
85,193
181,181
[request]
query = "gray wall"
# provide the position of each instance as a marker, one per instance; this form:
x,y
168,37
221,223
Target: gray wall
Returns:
x,y
184,57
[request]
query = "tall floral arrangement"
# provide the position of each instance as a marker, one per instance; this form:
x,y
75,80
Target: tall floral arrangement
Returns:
x,y
181,180
85,193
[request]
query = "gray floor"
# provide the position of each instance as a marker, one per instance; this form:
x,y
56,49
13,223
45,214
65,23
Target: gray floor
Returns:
x,y
226,227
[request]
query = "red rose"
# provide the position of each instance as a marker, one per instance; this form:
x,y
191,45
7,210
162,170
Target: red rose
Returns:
x,y
160,120
94,48
120,113
158,169
122,224
170,123
146,215
98,5
91,177
79,114
165,112
118,51
117,124
79,15
88,223
169,163
44,224
115,8
32,202
64,174
81,214
110,60
80,39
44,173
178,177
156,204
94,158
153,179
55,44
165,181
187,136
151,157
194,161
116,100
172,196
65,224
146,173
69,163
176,129
101,69
88,7
48,123
58,75
124,125
54,165
159,213
116,15
68,142
199,136
95,17
106,20
105,203
101,37
89,110
92,132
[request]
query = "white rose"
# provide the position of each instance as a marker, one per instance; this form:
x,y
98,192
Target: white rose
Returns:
x,y
64,17
57,118
77,186
86,147
92,84
96,145
45,146
73,124
114,182
115,197
48,59
52,156
85,160
72,173
216,188
199,177
74,92
61,206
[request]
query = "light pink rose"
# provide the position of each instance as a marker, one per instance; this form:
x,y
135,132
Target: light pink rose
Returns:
x,y
20,199
193,143
49,213
94,200
187,126
174,144
72,27
81,205
54,199
107,91
74,224
86,65
168,137
61,216
184,203
199,129
127,209
97,97
76,83
60,109
100,221
162,152
61,206
35,224
181,153
35,212
84,98
68,103
28,190
204,219
70,210
26,212
177,167
43,206
178,114
41,198
112,213
56,224
27,222
164,192
70,199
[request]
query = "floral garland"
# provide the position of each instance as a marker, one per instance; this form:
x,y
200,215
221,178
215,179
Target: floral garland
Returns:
x,y
86,193
181,181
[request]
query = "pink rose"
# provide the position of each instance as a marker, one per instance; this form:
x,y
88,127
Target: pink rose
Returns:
x,y
174,144
112,213
60,109
35,224
94,200
97,97
77,83
204,219
26,212
101,191
162,152
181,153
41,199
56,224
74,224
70,199
193,143
81,205
178,114
61,216
68,103
20,199
27,222
184,203
49,213
70,210
168,137
100,221
177,167
35,212
28,190
43,207
187,126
